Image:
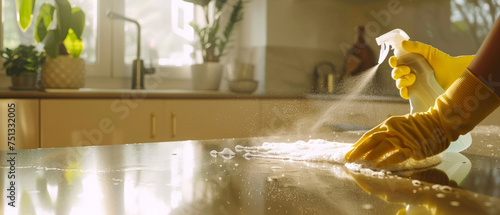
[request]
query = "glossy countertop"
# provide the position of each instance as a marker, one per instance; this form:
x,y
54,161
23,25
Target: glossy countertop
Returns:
x,y
184,178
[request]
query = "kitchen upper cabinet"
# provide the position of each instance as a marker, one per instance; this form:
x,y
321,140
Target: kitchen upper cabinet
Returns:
x,y
78,122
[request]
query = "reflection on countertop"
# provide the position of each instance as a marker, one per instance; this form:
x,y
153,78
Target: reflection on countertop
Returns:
x,y
183,178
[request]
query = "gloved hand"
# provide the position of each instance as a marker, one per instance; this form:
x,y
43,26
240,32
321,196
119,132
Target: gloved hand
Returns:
x,y
466,103
446,68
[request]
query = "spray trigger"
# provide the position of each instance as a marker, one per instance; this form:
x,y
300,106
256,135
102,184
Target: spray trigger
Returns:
x,y
384,51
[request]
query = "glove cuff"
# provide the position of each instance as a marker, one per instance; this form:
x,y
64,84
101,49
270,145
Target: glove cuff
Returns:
x,y
464,105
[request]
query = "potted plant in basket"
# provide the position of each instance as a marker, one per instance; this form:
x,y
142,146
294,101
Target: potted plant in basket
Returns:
x,y
22,64
214,37
63,67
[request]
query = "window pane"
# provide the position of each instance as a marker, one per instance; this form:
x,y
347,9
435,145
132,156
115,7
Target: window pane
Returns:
x,y
13,36
165,32
474,18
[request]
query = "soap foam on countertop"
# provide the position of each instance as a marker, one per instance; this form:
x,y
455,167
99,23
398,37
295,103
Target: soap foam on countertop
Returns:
x,y
317,150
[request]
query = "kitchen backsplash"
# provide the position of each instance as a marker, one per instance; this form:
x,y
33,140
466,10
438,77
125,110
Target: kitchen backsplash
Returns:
x,y
303,33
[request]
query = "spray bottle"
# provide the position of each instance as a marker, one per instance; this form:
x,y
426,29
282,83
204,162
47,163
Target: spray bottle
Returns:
x,y
425,90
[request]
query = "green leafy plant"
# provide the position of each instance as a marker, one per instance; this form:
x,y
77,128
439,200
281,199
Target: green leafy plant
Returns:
x,y
64,36
23,59
213,43
25,13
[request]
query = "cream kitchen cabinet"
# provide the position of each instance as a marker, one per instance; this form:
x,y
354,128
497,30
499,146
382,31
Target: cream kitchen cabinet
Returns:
x,y
213,119
20,126
77,122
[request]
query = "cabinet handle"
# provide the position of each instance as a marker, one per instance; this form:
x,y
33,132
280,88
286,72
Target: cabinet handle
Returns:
x,y
153,125
174,124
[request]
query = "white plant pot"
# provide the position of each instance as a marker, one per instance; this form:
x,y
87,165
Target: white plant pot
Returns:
x,y
63,72
206,76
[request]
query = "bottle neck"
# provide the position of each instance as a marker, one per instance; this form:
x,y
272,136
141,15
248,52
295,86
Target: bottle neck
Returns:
x,y
361,34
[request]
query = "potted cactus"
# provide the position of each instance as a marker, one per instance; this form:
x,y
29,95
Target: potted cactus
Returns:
x,y
23,64
213,39
63,67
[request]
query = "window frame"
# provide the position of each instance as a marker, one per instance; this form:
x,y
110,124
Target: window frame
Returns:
x,y
110,47
124,69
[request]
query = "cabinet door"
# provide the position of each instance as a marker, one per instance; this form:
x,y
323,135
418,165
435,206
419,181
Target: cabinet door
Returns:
x,y
213,119
19,125
77,122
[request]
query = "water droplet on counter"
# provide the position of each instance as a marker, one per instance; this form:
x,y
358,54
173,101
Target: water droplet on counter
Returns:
x,y
213,153
367,206
248,156
440,195
236,164
239,148
414,191
416,183
455,203
489,146
446,189
220,178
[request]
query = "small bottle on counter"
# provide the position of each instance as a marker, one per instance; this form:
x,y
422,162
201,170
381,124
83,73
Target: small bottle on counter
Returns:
x,y
324,77
358,58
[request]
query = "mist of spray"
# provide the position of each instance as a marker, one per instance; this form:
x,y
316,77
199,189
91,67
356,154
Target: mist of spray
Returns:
x,y
353,88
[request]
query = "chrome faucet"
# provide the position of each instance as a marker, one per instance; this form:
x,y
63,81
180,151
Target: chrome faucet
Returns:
x,y
138,69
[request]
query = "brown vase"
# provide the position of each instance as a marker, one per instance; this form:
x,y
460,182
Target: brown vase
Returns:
x,y
63,72
25,81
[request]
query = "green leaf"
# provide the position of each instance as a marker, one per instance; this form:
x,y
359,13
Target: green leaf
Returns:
x,y
52,42
199,2
24,13
73,44
77,21
45,16
63,11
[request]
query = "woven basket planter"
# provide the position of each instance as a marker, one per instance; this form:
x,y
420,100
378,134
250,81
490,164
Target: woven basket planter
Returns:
x,y
63,72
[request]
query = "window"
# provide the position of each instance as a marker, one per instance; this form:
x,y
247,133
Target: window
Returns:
x,y
166,36
110,45
13,36
474,18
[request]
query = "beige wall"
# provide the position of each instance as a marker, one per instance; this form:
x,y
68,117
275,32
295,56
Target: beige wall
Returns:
x,y
302,33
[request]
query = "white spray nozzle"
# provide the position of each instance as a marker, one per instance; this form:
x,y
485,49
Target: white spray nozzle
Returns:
x,y
392,39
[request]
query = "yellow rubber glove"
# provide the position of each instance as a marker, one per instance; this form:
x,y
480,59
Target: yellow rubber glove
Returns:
x,y
466,103
446,68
